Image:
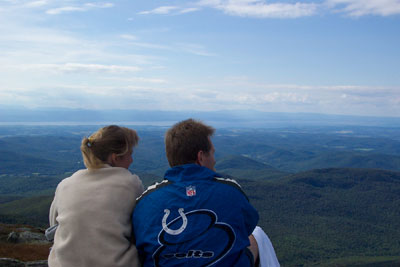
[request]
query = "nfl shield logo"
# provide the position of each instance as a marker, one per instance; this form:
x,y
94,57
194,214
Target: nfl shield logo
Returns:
x,y
191,191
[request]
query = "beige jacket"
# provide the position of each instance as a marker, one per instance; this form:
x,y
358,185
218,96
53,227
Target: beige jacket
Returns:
x,y
94,211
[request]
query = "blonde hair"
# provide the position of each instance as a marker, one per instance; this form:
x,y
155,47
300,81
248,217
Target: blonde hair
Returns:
x,y
110,139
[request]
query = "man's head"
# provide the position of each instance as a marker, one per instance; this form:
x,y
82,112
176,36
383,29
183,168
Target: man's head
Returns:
x,y
189,141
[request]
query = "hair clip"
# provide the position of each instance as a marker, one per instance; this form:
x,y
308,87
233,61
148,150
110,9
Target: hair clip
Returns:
x,y
90,141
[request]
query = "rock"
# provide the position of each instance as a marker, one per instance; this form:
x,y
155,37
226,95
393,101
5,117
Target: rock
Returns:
x,y
6,262
13,237
30,237
26,237
37,264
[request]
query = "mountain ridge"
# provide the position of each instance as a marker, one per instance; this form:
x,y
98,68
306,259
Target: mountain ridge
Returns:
x,y
311,217
231,118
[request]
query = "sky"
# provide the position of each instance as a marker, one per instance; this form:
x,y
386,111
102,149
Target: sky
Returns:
x,y
318,56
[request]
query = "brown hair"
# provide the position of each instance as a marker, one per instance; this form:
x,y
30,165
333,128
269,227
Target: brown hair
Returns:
x,y
185,139
107,140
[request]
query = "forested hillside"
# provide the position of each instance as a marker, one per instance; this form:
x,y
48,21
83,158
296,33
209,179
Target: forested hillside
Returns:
x,y
328,214
325,196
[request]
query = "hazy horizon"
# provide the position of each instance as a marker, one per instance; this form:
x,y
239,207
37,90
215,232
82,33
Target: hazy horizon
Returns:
x,y
221,118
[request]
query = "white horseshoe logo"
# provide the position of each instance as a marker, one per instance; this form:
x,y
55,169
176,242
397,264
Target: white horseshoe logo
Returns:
x,y
178,231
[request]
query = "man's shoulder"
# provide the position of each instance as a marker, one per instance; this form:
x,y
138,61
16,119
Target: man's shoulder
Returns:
x,y
231,183
152,188
227,181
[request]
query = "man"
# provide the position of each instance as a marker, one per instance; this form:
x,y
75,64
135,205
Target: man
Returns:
x,y
194,217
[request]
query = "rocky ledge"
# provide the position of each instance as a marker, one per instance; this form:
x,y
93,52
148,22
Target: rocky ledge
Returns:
x,y
23,246
6,262
26,236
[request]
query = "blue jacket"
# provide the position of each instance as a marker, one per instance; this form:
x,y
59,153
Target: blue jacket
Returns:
x,y
194,218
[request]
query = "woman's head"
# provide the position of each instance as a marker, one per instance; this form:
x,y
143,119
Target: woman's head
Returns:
x,y
109,140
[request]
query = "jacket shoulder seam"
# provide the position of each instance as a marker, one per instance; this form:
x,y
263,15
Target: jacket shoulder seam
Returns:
x,y
152,188
232,183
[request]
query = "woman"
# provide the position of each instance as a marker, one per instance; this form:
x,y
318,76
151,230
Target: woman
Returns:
x,y
93,207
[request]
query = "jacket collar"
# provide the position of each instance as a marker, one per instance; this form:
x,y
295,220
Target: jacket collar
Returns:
x,y
190,172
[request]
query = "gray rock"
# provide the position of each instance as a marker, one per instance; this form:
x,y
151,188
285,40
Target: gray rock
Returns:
x,y
26,237
13,237
37,264
30,237
7,262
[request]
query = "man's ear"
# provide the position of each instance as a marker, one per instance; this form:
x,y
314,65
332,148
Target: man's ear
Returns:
x,y
199,159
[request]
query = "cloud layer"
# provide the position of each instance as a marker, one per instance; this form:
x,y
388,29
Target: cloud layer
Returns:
x,y
358,8
262,9
185,55
280,9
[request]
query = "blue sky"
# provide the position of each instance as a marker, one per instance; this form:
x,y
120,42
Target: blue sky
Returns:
x,y
330,56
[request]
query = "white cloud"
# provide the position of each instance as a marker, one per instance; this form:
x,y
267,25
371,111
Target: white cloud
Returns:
x,y
128,36
194,49
190,48
36,36
163,10
242,93
281,9
160,10
79,68
254,99
152,46
79,8
101,5
245,8
145,93
262,9
139,80
91,96
39,3
357,8
59,10
189,10
24,42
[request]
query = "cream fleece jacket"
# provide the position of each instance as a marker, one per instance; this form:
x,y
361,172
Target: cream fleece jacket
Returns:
x,y
93,209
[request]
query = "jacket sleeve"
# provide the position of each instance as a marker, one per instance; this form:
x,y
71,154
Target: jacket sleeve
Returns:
x,y
251,216
53,211
248,213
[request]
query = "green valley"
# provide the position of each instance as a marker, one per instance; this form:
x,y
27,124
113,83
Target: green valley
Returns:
x,y
326,196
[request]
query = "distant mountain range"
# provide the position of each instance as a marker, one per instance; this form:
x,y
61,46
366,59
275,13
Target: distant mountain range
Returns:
x,y
322,217
246,168
262,153
223,118
327,195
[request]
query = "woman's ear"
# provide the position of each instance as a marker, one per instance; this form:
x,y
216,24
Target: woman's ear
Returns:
x,y
112,159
